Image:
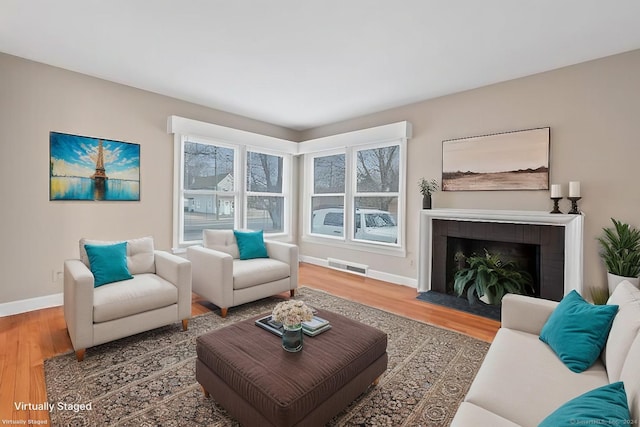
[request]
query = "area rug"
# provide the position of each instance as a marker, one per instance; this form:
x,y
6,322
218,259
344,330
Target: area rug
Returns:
x,y
149,379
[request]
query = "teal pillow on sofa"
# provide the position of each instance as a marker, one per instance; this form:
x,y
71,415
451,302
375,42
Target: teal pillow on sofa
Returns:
x,y
606,405
251,244
108,263
577,330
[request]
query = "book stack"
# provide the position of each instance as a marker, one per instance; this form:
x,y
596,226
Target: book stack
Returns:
x,y
315,326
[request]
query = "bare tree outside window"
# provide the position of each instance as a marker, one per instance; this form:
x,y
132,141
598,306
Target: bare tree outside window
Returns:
x,y
265,201
378,171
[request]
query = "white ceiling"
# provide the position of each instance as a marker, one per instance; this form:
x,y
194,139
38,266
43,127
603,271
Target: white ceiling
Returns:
x,y
304,63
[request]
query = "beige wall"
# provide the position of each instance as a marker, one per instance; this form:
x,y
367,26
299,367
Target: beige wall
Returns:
x,y
37,234
593,110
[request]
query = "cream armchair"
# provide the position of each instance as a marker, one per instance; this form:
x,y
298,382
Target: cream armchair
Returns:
x,y
158,294
220,276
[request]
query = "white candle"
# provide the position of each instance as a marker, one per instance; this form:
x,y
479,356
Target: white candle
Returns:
x,y
574,189
556,190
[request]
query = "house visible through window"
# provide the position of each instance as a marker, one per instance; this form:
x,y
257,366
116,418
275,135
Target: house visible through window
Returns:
x,y
211,190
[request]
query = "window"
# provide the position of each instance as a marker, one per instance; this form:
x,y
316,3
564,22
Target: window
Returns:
x,y
327,200
377,194
226,186
209,194
265,195
355,195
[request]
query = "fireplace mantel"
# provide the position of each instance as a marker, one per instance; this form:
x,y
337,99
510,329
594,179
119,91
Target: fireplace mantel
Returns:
x,y
573,225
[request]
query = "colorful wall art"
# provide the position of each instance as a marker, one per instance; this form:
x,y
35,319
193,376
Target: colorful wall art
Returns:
x,y
86,168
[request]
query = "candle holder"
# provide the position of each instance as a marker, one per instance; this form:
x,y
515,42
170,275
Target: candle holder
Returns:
x,y
574,205
556,209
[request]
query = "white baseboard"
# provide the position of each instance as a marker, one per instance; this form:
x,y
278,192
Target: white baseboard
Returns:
x,y
374,274
31,304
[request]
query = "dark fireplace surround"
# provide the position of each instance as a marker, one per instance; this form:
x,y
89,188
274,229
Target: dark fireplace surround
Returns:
x,y
548,241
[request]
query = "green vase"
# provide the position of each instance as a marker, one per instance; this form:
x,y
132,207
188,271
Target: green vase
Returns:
x,y
292,338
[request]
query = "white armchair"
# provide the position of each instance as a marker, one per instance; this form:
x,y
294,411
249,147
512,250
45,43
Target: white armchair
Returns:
x,y
158,294
221,277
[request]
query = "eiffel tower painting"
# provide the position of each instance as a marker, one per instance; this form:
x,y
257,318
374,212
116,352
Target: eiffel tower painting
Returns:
x,y
79,165
100,174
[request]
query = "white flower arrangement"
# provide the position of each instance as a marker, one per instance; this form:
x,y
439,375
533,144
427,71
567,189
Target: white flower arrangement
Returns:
x,y
292,312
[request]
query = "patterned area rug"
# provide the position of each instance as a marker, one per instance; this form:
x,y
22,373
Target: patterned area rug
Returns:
x,y
149,379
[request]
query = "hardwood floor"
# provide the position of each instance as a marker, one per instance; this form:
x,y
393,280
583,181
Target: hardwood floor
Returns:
x,y
27,339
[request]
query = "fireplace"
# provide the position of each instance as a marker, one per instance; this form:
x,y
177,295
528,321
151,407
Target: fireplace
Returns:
x,y
537,249
552,244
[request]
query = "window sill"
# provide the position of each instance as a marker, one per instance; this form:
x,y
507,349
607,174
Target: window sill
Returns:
x,y
399,252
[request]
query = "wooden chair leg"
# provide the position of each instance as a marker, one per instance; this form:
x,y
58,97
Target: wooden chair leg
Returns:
x,y
80,354
292,293
206,393
223,312
185,324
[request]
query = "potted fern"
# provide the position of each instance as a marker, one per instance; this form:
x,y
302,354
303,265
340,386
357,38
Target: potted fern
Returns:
x,y
620,250
489,278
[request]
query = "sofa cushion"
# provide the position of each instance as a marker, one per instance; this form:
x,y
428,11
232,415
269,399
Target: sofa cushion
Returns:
x,y
108,263
630,375
250,244
577,330
469,414
142,293
221,240
522,379
258,271
606,405
624,329
140,255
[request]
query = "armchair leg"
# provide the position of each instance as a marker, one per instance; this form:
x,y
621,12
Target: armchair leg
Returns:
x,y
292,293
223,312
185,324
80,354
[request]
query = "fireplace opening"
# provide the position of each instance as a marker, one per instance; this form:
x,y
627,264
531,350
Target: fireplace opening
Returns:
x,y
525,255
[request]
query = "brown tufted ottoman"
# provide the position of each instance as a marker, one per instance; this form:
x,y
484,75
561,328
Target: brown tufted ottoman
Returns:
x,y
246,370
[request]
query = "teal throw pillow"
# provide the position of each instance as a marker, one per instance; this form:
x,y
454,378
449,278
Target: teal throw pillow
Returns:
x,y
108,263
251,244
577,330
605,405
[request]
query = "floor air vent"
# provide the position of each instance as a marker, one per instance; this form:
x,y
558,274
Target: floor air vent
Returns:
x,y
351,267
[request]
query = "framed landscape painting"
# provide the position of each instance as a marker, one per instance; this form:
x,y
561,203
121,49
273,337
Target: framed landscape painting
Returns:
x,y
506,161
85,168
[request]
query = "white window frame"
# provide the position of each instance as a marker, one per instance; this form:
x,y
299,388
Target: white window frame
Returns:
x,y
308,205
287,188
349,240
242,141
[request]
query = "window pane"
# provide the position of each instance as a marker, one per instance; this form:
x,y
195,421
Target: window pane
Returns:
x,y
378,170
208,167
327,216
265,213
264,173
376,219
328,174
206,211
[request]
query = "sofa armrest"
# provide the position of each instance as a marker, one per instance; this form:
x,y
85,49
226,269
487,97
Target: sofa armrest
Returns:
x,y
176,270
288,253
526,314
78,303
212,275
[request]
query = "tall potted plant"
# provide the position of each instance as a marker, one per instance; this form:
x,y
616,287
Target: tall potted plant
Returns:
x,y
489,278
427,187
620,250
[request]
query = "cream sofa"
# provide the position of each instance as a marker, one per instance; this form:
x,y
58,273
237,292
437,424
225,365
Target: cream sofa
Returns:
x,y
220,276
158,294
522,381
